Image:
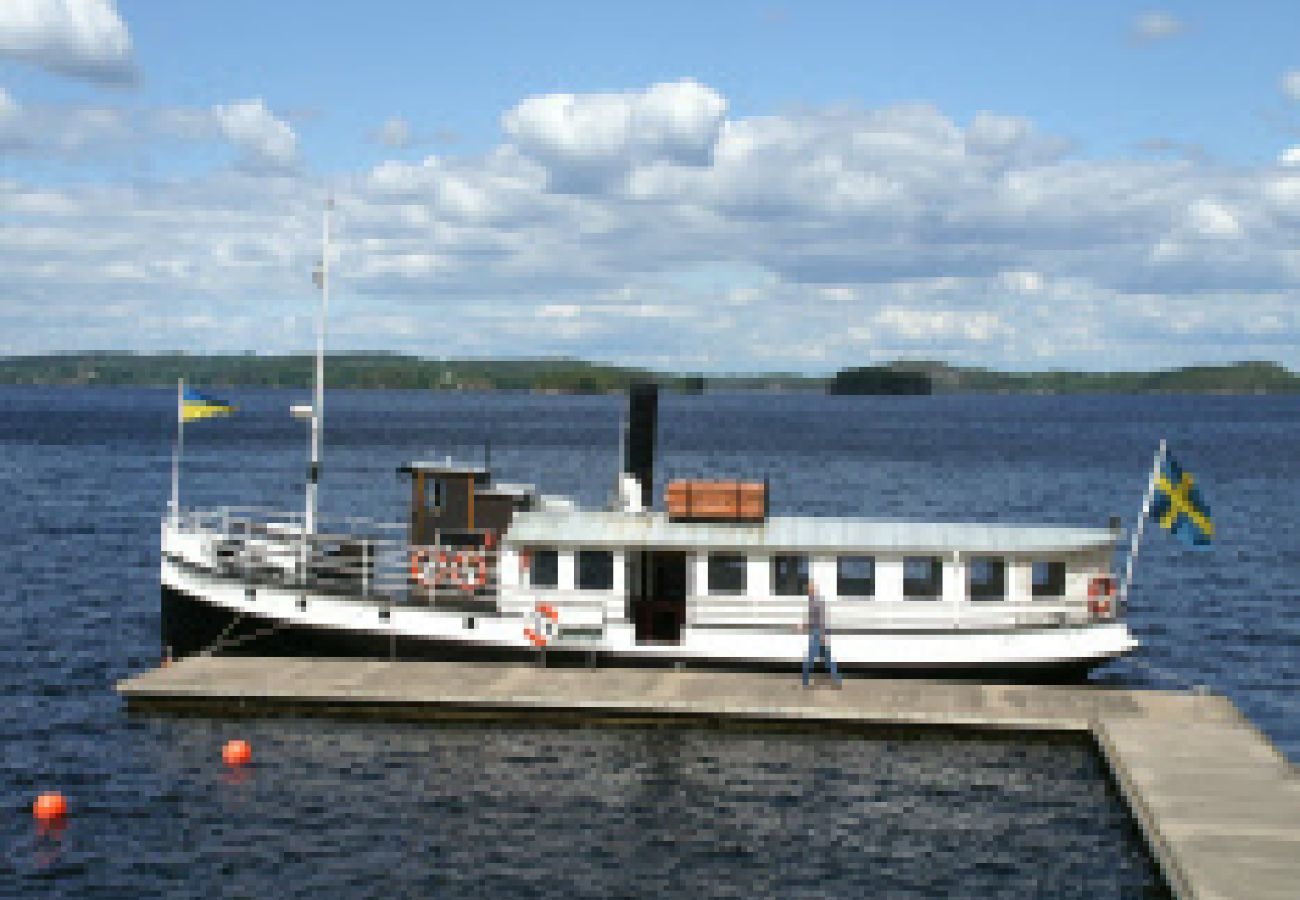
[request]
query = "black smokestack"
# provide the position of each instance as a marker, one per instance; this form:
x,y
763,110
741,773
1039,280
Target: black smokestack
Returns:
x,y
639,459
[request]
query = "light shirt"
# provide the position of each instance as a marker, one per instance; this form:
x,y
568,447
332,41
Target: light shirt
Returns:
x,y
816,613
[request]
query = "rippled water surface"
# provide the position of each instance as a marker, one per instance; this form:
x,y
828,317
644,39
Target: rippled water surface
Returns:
x,y
367,809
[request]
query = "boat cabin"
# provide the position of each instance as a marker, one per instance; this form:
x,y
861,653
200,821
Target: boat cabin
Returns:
x,y
457,505
660,574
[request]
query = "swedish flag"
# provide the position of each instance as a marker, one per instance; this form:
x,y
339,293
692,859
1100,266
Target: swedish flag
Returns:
x,y
1179,507
195,405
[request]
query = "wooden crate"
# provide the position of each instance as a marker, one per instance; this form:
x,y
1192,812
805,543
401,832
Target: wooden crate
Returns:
x,y
716,501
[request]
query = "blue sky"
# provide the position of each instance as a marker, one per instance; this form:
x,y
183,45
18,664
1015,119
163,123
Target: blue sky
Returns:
x,y
727,186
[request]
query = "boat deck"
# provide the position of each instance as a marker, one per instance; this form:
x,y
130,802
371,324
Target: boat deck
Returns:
x,y
1218,804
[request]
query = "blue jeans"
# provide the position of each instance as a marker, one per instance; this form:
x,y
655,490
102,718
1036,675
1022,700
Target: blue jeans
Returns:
x,y
818,649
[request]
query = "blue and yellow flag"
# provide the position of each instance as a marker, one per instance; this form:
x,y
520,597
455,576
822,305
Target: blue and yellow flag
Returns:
x,y
1179,507
195,405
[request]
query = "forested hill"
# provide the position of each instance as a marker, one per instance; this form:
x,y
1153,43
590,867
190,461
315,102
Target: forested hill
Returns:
x,y
577,376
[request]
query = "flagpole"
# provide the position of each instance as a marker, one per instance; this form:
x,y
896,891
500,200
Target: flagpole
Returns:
x,y
318,400
178,446
1142,518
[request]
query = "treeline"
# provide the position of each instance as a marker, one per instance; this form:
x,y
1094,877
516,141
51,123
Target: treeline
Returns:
x,y
345,371
1240,377
378,370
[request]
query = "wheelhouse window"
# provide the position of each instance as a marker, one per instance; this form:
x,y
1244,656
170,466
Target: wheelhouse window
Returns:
x,y
922,577
1049,578
856,576
726,573
986,578
435,492
595,570
544,569
790,575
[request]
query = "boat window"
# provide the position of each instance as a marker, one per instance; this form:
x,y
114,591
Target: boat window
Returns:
x,y
1049,578
986,578
856,576
726,573
544,569
922,577
790,575
432,496
595,570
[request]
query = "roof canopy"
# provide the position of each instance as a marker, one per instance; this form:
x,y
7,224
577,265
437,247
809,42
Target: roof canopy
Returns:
x,y
615,529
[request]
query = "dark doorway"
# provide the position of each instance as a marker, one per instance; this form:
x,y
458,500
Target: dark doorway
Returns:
x,y
657,591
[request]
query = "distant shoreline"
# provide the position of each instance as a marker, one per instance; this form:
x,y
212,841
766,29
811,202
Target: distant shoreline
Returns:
x,y
572,376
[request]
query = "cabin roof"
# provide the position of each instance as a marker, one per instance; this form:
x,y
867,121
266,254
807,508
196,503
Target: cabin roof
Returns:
x,y
445,467
590,528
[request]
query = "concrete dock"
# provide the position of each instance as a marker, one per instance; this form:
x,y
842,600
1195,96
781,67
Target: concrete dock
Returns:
x,y
1217,802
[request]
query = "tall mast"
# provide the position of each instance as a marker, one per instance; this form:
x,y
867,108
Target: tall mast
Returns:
x,y
318,400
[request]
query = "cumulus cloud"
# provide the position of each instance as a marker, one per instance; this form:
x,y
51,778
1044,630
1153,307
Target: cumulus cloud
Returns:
x,y
1210,218
84,38
394,133
649,225
265,142
65,132
1157,25
251,127
588,141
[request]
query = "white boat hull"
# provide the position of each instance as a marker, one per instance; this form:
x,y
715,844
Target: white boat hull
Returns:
x,y
206,612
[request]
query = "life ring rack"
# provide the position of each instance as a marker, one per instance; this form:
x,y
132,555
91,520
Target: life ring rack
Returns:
x,y
420,567
462,570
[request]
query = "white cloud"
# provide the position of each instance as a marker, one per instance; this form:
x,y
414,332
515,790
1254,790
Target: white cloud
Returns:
x,y
71,133
588,141
1209,218
63,132
1158,25
394,133
264,139
1290,156
930,325
1291,84
85,38
815,237
1022,282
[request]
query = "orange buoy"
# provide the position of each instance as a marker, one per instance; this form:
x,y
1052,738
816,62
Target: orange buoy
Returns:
x,y
236,753
50,807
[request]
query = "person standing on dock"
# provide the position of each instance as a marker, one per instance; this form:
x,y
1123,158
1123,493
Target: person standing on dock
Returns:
x,y
818,646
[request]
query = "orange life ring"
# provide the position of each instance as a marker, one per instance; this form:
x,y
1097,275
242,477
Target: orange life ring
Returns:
x,y
1101,586
419,567
545,625
1101,590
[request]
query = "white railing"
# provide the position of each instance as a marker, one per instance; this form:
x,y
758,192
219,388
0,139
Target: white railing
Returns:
x,y
349,556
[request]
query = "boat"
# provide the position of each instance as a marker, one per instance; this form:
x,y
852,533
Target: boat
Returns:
x,y
703,576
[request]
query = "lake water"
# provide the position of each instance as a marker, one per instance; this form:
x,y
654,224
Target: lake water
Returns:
x,y
354,810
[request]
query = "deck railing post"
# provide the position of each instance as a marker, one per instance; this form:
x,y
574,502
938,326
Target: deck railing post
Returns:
x,y
956,608
365,567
